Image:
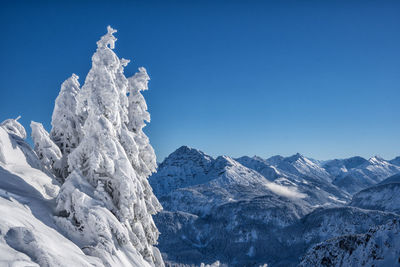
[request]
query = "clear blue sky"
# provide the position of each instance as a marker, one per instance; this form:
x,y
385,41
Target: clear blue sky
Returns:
x,y
238,77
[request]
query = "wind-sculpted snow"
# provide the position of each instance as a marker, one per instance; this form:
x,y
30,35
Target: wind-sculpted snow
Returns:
x,y
379,246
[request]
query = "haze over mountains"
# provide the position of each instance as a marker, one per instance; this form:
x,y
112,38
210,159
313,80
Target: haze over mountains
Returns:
x,y
250,211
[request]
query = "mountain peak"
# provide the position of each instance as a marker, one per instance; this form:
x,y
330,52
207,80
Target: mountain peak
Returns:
x,y
376,159
187,154
294,157
274,160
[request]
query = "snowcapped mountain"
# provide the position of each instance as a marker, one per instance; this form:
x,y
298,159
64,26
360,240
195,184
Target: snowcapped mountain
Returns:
x,y
300,172
379,246
223,198
228,209
184,167
211,182
384,197
262,166
278,166
363,175
303,167
395,161
392,179
339,167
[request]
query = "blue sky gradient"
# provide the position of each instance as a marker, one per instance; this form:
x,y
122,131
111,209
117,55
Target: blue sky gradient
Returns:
x,y
238,77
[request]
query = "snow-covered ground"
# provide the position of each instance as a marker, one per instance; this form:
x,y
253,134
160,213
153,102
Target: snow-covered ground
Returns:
x,y
29,236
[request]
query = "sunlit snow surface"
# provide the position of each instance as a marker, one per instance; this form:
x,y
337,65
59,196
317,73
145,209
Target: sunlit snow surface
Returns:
x,y
29,236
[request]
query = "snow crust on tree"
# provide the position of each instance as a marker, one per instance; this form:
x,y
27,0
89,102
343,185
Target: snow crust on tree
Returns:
x,y
138,116
106,201
48,152
66,130
100,232
14,127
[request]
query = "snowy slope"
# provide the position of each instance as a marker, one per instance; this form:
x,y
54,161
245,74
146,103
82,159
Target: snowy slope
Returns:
x,y
369,173
28,235
384,197
340,167
392,179
303,173
261,166
184,167
380,246
395,161
303,167
323,224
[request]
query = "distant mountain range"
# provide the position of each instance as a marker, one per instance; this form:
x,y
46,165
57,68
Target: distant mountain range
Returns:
x,y
251,211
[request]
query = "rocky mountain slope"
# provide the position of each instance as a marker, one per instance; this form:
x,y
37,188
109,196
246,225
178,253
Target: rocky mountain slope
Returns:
x,y
366,174
380,246
384,197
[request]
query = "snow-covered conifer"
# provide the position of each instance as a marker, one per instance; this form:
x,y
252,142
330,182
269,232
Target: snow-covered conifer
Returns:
x,y
46,150
104,156
65,122
14,127
144,161
138,116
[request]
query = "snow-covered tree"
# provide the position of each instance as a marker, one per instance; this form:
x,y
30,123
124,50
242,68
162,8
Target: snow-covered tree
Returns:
x,y
14,127
111,159
144,160
138,116
46,150
66,129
